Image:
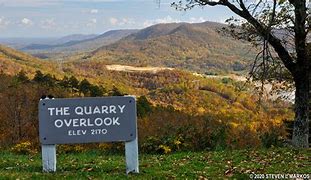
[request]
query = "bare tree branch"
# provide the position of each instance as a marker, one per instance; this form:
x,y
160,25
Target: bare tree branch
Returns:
x,y
262,30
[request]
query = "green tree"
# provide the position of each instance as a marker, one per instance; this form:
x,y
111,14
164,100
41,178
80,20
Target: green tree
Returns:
x,y
97,91
45,79
263,19
115,92
64,82
73,82
22,77
144,107
39,77
84,86
49,80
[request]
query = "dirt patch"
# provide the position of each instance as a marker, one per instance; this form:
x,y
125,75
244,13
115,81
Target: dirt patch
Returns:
x,y
136,69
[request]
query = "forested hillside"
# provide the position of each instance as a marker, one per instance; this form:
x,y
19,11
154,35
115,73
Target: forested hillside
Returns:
x,y
13,61
196,47
176,109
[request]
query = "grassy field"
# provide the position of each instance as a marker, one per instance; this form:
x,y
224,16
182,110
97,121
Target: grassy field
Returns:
x,y
191,165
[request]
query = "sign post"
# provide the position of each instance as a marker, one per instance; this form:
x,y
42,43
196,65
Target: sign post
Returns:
x,y
131,156
49,158
86,120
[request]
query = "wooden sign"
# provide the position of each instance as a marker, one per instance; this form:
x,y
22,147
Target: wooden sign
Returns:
x,y
86,120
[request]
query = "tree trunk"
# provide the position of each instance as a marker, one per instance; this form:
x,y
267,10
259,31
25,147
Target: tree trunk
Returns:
x,y
300,137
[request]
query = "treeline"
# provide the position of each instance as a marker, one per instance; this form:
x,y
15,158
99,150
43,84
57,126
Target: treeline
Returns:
x,y
19,97
83,88
182,115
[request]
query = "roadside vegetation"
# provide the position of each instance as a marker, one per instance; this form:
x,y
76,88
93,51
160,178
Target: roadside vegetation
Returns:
x,y
238,164
176,111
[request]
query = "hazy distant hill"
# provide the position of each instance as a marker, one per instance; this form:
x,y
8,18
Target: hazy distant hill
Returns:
x,y
74,37
13,61
61,42
83,45
197,47
19,43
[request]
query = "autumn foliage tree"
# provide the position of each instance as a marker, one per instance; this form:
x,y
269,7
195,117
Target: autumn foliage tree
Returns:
x,y
281,27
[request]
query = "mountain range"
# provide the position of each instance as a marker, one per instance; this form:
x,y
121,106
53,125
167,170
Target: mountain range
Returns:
x,y
78,43
198,47
24,42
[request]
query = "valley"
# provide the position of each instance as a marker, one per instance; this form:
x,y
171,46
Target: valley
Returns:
x,y
198,47
185,78
159,89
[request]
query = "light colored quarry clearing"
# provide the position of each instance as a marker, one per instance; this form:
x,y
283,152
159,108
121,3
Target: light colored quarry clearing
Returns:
x,y
231,76
117,67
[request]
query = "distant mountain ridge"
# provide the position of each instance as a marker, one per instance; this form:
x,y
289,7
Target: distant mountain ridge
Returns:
x,y
199,47
85,43
60,42
21,42
74,37
170,28
196,47
13,61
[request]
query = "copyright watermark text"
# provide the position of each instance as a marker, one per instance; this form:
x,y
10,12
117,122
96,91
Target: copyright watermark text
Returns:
x,y
280,176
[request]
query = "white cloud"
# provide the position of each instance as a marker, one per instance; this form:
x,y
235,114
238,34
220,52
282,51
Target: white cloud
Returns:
x,y
121,21
48,24
3,22
26,21
94,11
113,21
202,19
197,20
92,23
167,19
126,21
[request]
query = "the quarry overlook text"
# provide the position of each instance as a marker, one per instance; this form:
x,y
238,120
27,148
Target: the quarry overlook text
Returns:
x,y
82,113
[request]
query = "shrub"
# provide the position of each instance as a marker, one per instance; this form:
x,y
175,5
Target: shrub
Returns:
x,y
23,148
78,148
271,138
144,107
111,147
164,149
218,138
150,144
226,80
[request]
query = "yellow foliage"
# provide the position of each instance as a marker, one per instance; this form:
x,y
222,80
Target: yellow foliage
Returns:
x,y
23,148
234,125
201,110
165,149
105,146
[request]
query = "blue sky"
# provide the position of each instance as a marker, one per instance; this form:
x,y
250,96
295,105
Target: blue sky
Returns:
x,y
55,18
